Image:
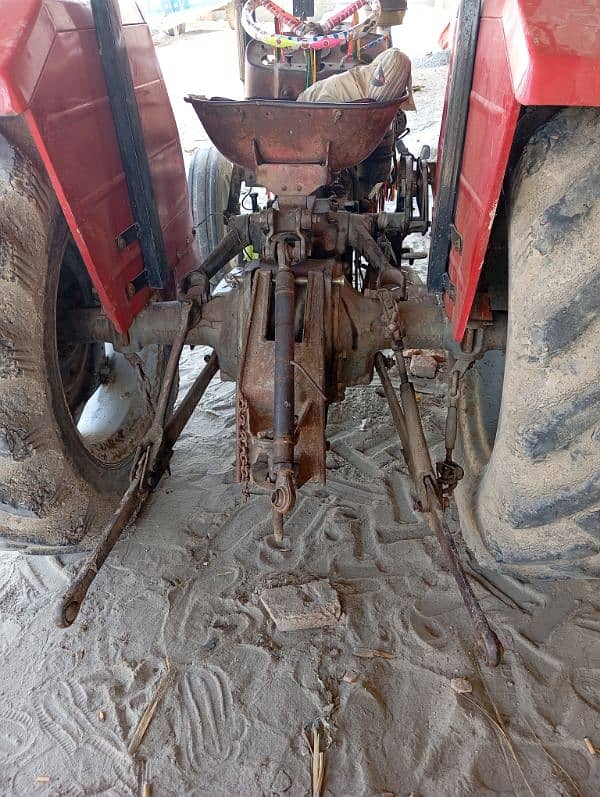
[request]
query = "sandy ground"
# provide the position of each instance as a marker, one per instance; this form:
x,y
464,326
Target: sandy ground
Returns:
x,y
184,587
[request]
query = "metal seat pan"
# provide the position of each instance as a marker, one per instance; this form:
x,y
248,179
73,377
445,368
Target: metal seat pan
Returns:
x,y
255,132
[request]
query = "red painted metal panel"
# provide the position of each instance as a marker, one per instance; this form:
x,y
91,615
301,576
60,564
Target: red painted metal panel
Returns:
x,y
62,95
493,114
25,40
529,52
554,51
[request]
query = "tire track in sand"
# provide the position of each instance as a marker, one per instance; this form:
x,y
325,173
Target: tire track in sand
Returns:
x,y
211,728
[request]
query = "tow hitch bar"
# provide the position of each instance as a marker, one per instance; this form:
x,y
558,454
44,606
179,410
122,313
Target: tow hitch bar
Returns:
x,y
150,463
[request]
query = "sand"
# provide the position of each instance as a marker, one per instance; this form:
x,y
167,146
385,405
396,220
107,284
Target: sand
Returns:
x,y
184,586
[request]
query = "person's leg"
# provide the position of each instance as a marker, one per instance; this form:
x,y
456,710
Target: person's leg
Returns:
x,y
390,77
387,77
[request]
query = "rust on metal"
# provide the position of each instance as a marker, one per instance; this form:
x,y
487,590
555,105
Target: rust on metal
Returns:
x,y
307,319
150,463
295,145
407,419
267,78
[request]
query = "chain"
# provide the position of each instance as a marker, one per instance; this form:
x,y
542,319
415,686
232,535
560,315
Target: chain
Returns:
x,y
243,449
449,472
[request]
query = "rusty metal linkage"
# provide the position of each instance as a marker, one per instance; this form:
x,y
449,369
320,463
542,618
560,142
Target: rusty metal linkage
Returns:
x,y
284,494
488,644
449,472
150,463
407,420
307,319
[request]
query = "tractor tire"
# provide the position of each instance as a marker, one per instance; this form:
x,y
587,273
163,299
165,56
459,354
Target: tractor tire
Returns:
x,y
530,419
214,185
71,415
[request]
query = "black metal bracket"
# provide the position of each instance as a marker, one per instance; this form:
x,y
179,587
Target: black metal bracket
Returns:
x,y
139,282
130,138
456,240
465,48
127,237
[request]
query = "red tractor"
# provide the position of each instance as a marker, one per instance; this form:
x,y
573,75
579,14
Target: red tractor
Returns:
x,y
103,282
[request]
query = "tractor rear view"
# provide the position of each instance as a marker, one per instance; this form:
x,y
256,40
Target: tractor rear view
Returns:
x,y
107,274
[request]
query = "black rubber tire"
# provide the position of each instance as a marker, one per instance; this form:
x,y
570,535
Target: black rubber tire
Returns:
x,y
214,185
55,493
530,420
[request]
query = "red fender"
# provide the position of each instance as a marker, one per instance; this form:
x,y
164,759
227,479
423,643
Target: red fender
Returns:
x,y
529,52
50,73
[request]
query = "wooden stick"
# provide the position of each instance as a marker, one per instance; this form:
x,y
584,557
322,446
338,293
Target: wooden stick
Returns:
x,y
590,745
142,726
370,653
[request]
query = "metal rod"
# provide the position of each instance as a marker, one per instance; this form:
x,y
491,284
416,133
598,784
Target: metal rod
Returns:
x,y
160,416
143,482
184,412
284,494
234,242
277,525
392,400
283,393
68,607
407,420
488,644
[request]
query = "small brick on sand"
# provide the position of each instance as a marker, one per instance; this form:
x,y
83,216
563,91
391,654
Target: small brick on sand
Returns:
x,y
423,365
302,606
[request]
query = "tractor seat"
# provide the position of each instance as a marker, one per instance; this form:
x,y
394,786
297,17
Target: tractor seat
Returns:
x,y
293,147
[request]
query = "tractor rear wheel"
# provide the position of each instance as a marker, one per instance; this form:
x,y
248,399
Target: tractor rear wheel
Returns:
x,y
71,414
214,185
530,420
